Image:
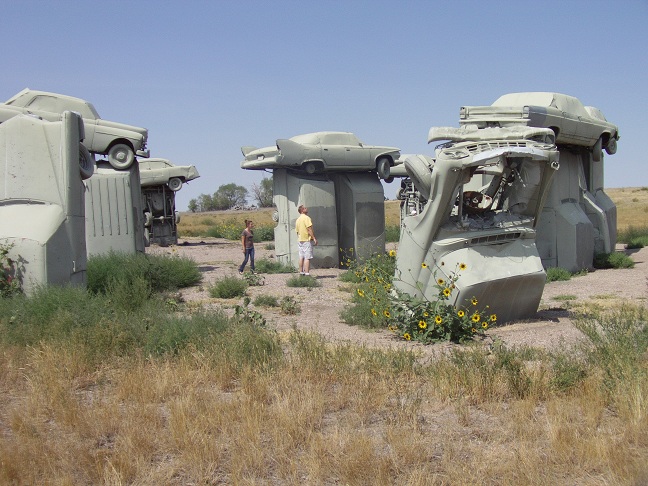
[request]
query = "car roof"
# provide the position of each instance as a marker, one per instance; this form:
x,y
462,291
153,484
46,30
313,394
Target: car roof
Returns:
x,y
327,137
563,102
35,93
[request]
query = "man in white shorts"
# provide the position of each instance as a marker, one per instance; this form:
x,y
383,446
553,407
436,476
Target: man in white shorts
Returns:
x,y
305,238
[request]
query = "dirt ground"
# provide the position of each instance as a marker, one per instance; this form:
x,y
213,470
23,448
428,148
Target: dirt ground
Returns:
x,y
320,307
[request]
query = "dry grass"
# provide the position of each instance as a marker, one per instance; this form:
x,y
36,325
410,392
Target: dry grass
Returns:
x,y
199,223
327,415
631,202
632,206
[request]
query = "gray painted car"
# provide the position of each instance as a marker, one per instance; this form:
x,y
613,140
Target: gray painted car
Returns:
x,y
485,191
572,122
322,152
156,172
118,141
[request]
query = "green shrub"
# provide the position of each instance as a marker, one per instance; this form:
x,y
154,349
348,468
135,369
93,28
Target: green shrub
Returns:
x,y
392,233
638,242
269,246
228,287
555,274
303,281
266,301
289,305
265,265
613,260
633,233
160,271
264,233
253,279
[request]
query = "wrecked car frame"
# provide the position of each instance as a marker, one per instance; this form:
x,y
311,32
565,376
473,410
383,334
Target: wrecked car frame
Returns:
x,y
485,192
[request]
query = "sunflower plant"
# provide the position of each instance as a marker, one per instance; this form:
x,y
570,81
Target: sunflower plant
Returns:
x,y
372,281
428,321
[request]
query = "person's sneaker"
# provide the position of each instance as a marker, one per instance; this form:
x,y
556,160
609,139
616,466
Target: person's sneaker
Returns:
x,y
306,274
302,273
240,273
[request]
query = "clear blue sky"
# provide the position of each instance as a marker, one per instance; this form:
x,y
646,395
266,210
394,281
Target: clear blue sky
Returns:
x,y
207,77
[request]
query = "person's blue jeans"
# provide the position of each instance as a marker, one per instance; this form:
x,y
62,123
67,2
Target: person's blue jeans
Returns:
x,y
249,255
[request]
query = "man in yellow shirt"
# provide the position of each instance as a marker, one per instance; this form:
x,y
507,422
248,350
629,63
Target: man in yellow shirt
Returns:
x,y
305,238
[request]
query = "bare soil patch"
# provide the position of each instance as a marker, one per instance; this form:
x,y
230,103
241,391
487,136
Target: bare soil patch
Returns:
x,y
320,307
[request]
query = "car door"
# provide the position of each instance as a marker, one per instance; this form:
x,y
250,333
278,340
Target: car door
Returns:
x,y
358,157
333,151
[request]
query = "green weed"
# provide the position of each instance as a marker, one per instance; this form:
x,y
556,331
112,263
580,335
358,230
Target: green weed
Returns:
x,y
304,281
265,265
228,287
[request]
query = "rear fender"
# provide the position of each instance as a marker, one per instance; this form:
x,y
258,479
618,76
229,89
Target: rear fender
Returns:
x,y
294,153
247,149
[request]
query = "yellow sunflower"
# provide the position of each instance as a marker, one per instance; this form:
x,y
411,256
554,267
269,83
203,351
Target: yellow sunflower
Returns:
x,y
474,330
361,292
424,265
485,325
407,336
425,314
461,313
392,253
493,317
438,319
440,281
373,312
446,292
475,318
386,313
474,301
462,266
422,324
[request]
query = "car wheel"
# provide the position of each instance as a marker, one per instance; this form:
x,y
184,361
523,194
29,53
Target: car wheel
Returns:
x,y
310,167
86,162
611,146
121,156
383,168
175,184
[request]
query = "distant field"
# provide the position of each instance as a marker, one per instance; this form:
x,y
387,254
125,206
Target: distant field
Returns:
x,y
631,202
632,206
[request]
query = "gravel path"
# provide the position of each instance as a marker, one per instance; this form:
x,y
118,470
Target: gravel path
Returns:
x,y
320,307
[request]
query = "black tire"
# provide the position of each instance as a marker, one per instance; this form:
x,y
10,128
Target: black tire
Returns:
x,y
121,156
611,146
175,184
86,162
383,167
310,167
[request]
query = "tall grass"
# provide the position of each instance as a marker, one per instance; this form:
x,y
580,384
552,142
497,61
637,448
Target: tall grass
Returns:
x,y
634,236
234,411
95,391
